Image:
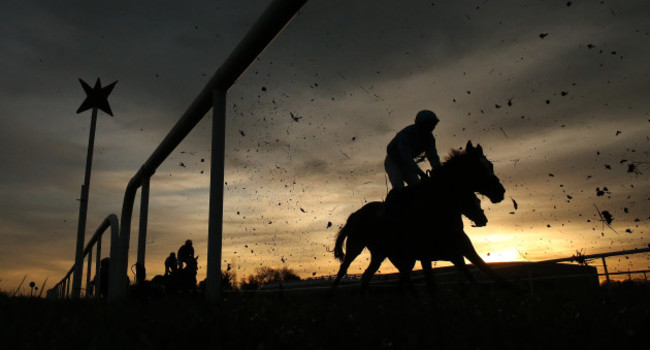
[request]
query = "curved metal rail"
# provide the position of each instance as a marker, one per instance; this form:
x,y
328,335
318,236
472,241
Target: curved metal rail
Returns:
x,y
62,289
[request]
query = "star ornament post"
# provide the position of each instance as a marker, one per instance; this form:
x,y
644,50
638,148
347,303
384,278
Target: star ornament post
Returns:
x,y
96,99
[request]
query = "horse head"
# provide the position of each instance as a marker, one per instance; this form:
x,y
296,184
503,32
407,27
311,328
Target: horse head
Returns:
x,y
471,207
480,172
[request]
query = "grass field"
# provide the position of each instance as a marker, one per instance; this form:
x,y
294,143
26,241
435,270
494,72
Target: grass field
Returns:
x,y
617,317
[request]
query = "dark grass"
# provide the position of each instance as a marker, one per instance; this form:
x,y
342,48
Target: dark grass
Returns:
x,y
616,317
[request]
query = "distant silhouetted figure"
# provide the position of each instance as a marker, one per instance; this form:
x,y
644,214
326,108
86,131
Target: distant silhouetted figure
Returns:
x,y
409,144
171,264
102,281
185,252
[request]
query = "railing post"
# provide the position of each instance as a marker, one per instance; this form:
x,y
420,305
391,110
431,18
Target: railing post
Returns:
x,y
142,233
83,209
116,277
81,232
98,260
215,223
605,267
119,253
90,264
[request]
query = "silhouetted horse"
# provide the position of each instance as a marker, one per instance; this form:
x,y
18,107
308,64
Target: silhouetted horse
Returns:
x,y
364,224
423,222
180,281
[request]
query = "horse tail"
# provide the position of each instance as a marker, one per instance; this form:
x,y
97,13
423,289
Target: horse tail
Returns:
x,y
340,238
359,225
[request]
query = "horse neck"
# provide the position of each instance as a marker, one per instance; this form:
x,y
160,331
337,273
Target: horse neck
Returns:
x,y
450,177
453,173
448,181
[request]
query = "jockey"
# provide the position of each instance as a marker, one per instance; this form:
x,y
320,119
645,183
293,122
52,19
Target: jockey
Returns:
x,y
185,252
408,144
171,264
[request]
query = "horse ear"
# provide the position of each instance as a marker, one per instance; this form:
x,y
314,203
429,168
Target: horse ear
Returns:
x,y
469,145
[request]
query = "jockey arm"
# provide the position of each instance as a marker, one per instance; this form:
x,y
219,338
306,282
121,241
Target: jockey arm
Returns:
x,y
432,153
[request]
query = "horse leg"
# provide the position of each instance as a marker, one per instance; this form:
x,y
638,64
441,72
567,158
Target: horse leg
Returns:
x,y
463,272
375,263
342,270
428,275
405,266
352,251
470,253
405,282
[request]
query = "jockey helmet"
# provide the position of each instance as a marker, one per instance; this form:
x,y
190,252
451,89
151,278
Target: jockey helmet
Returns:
x,y
426,119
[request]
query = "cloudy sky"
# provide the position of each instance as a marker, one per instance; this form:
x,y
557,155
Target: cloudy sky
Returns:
x,y
555,91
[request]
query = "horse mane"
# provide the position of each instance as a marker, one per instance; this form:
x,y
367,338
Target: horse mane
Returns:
x,y
454,157
454,154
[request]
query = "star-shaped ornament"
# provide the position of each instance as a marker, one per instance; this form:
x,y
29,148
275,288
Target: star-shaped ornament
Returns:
x,y
96,97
